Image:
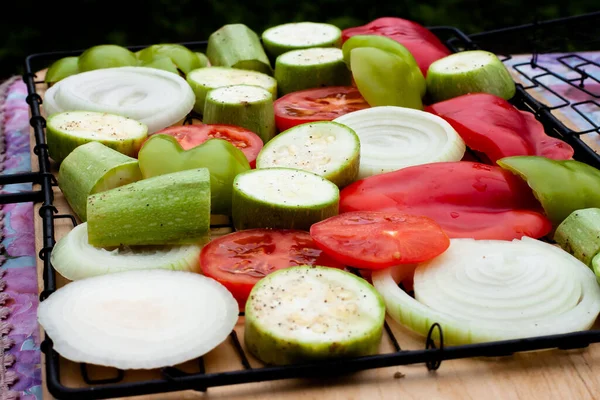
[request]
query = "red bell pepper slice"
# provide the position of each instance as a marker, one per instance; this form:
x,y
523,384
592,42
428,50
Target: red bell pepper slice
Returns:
x,y
423,45
491,125
467,199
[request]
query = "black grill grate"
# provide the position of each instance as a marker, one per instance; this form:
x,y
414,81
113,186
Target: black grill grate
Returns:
x,y
173,379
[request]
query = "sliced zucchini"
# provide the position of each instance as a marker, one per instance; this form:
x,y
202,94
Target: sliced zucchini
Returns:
x,y
310,68
166,209
237,46
283,198
474,71
74,258
66,131
204,80
304,313
93,168
579,234
300,35
250,107
329,149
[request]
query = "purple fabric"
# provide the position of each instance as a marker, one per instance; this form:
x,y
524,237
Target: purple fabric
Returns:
x,y
562,64
19,244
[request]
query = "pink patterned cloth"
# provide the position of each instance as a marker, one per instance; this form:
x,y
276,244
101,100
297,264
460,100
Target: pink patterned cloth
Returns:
x,y
22,373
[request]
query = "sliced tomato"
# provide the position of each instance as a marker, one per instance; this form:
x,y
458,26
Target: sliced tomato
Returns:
x,y
376,240
312,105
467,199
193,135
242,258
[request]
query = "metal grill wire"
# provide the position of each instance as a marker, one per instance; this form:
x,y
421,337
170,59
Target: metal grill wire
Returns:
x,y
174,379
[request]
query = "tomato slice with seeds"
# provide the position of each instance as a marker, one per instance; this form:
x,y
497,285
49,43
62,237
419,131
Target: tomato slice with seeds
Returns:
x,y
240,259
376,240
194,135
312,105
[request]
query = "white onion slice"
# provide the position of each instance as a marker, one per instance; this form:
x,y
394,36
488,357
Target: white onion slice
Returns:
x,y
138,319
486,290
74,258
392,138
152,96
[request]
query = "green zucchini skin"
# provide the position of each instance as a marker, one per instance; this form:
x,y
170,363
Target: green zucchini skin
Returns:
x,y
485,74
264,215
579,234
329,36
309,140
249,212
92,168
62,141
293,77
203,80
166,209
277,349
256,115
237,46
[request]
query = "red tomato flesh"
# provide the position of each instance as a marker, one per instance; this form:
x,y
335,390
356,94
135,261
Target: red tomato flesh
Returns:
x,y
467,199
376,240
240,259
194,135
491,125
313,105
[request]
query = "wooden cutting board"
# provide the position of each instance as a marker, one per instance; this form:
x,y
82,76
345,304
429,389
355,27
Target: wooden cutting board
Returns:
x,y
551,374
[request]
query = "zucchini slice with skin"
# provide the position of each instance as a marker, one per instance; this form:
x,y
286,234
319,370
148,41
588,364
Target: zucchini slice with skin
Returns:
x,y
311,68
305,313
326,148
94,168
300,35
283,198
66,131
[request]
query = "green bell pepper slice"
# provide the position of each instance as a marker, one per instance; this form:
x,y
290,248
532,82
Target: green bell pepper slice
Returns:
x,y
162,154
384,78
391,46
185,59
164,63
61,69
561,186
